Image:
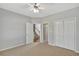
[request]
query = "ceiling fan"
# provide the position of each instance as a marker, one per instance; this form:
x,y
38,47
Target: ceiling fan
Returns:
x,y
35,7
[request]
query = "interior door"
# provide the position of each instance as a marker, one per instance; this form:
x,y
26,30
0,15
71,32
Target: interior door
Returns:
x,y
45,31
58,33
29,33
69,34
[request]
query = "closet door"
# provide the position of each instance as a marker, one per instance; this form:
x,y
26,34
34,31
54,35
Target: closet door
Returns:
x,y
58,33
69,33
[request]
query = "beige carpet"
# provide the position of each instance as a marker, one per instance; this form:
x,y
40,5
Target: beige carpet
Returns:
x,y
42,49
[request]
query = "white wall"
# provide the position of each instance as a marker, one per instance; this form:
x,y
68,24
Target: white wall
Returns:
x,y
12,29
61,16
77,34
36,20
65,14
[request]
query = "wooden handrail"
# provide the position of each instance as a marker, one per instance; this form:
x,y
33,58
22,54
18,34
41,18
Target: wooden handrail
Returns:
x,y
37,30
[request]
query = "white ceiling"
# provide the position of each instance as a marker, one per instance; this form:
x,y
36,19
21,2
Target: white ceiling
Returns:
x,y
50,8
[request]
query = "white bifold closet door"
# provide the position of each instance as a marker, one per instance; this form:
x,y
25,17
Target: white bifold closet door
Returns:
x,y
69,34
58,33
65,34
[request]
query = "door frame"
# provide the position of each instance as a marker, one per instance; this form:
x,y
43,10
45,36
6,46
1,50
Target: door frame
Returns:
x,y
28,33
41,32
44,25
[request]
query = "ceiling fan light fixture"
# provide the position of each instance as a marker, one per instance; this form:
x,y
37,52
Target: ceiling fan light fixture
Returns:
x,y
36,10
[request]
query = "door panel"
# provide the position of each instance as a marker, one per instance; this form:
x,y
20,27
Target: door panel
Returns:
x,y
45,31
64,33
59,33
29,33
69,34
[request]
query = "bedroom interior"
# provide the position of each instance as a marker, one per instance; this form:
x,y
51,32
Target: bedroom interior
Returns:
x,y
39,29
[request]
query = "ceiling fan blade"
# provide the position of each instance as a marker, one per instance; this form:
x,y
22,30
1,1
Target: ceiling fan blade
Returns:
x,y
37,4
41,8
29,4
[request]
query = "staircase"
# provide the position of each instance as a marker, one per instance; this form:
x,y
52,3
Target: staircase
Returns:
x,y
36,34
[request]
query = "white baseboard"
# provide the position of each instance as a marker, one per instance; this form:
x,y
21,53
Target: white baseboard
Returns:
x,y
63,47
13,47
77,51
51,44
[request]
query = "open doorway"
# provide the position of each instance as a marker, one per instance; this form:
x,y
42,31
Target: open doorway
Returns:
x,y
36,31
33,33
45,32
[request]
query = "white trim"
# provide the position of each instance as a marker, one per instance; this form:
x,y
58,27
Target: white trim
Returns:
x,y
51,44
12,47
62,47
41,34
76,51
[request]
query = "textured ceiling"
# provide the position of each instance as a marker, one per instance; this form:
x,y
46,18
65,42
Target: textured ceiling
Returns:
x,y
49,8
